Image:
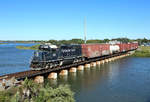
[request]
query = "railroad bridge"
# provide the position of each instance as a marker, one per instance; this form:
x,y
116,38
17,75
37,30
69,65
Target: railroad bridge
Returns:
x,y
38,76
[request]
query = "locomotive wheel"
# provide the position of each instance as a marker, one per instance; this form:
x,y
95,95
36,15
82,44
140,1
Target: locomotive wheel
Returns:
x,y
60,63
47,66
51,65
75,61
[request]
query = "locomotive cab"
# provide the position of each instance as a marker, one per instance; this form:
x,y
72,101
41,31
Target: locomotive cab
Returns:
x,y
43,55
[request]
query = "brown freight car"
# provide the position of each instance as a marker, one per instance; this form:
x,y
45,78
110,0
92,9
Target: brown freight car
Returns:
x,y
123,47
127,47
95,50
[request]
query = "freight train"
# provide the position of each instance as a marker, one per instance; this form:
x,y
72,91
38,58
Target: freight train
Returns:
x,y
49,56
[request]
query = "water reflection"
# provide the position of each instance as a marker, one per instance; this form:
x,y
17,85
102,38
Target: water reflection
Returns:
x,y
63,78
113,72
52,82
73,76
117,81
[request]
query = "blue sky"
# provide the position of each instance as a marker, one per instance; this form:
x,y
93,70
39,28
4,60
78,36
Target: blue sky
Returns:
x,y
63,19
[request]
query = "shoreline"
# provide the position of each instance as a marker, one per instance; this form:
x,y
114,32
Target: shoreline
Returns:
x,y
34,47
142,51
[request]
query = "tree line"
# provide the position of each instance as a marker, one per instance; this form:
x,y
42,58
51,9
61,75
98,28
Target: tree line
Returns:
x,y
81,41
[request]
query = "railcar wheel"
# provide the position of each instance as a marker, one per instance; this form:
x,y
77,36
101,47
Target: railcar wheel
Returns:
x,y
83,59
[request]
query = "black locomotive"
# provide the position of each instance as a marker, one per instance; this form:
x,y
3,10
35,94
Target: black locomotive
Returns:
x,y
49,56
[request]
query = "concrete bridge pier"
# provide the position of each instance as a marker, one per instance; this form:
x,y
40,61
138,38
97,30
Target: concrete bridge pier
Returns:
x,y
73,70
115,57
109,59
98,62
52,75
102,61
87,65
112,59
93,64
106,60
80,68
39,79
63,72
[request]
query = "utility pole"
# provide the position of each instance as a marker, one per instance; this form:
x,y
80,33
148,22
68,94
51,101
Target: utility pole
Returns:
x,y
85,30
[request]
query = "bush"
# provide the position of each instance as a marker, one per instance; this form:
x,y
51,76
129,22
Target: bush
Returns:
x,y
32,92
142,52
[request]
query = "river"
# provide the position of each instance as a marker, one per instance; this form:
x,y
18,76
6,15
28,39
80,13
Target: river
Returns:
x,y
122,80
12,59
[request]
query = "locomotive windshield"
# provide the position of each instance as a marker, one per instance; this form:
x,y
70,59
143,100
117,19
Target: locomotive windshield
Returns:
x,y
38,55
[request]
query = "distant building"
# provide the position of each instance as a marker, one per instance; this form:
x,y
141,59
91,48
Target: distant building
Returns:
x,y
145,44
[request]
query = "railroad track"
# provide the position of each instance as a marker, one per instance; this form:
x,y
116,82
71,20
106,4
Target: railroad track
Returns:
x,y
31,73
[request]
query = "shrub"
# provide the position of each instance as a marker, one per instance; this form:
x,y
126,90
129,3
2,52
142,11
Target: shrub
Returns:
x,y
32,92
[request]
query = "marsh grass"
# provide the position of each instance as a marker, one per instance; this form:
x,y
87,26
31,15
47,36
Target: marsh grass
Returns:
x,y
34,47
143,51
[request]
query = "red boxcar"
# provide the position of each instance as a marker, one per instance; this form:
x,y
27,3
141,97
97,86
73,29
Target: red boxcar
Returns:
x,y
95,50
126,47
134,46
123,47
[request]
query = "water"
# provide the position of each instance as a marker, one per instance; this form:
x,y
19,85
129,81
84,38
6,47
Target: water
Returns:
x,y
123,80
12,59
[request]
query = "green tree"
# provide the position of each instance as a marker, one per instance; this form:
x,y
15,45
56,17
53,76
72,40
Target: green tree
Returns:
x,y
32,92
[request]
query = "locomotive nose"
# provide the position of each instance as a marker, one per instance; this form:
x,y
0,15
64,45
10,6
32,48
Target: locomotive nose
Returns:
x,y
36,59
37,56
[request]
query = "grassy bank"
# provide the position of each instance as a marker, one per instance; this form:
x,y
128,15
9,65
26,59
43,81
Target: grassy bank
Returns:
x,y
142,51
33,92
35,47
